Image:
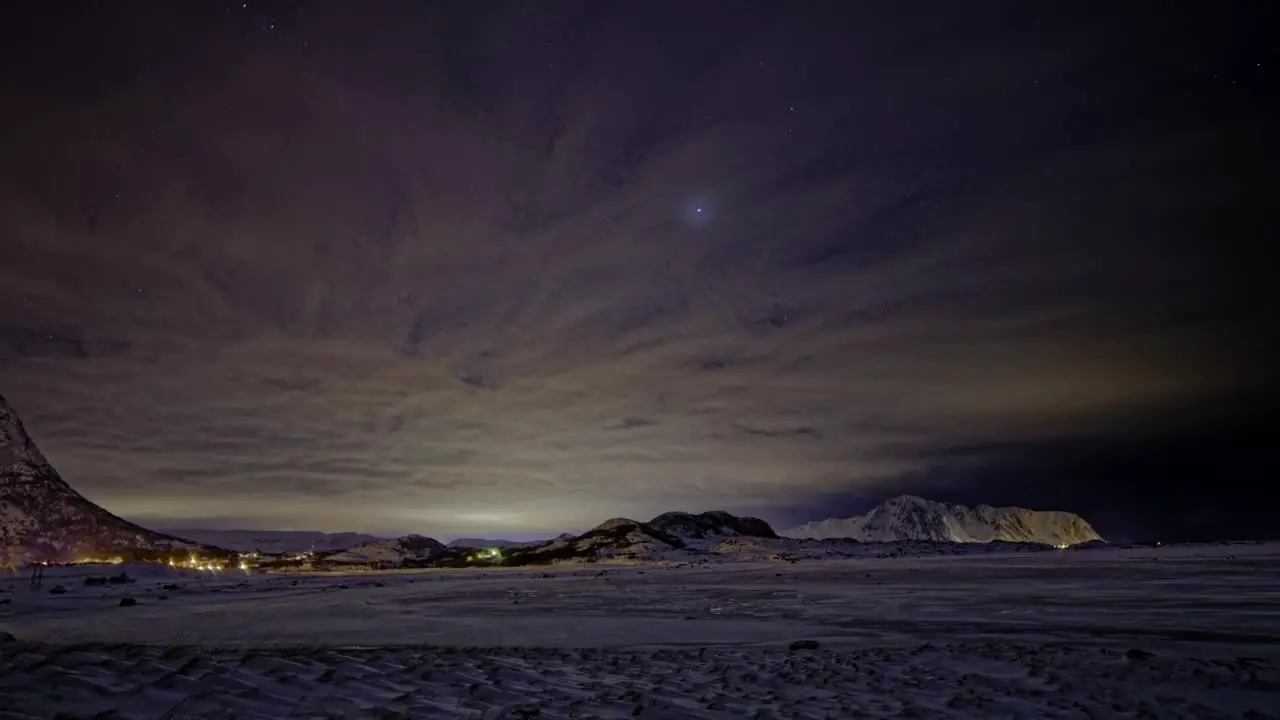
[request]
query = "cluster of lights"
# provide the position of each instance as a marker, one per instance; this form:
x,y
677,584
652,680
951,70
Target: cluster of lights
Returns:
x,y
195,563
490,554
99,561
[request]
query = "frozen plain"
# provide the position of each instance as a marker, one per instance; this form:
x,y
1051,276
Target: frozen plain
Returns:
x,y
1156,632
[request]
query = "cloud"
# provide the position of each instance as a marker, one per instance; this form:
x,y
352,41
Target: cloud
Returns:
x,y
465,291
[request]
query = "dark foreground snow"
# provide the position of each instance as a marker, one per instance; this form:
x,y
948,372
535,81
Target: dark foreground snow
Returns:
x,y
1164,633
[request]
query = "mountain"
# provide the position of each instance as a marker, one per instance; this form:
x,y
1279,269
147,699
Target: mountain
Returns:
x,y
481,543
715,523
912,518
401,551
627,538
43,519
618,537
274,541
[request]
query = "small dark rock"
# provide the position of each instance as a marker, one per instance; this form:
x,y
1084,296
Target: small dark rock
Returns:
x,y
127,602
57,590
162,597
7,638
1139,654
805,645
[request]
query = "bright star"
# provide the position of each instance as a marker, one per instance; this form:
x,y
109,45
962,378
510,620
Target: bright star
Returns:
x,y
698,212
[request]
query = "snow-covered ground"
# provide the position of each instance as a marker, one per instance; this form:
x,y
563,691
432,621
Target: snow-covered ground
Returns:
x,y
1164,632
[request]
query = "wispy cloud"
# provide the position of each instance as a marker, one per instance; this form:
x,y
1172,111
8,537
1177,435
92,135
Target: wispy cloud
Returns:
x,y
612,278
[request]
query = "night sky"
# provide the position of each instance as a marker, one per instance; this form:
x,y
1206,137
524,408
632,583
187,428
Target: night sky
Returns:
x,y
516,268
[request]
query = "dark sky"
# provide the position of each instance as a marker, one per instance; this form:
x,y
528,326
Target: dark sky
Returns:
x,y
514,268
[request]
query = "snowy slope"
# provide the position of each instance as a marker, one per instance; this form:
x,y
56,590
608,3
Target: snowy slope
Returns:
x,y
43,519
912,518
274,541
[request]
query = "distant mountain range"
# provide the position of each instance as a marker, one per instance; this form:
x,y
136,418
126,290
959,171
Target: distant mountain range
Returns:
x,y
908,517
482,543
616,538
273,541
43,519
276,542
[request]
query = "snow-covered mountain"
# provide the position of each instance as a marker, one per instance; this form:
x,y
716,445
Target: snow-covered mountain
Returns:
x,y
913,518
395,552
274,541
43,519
